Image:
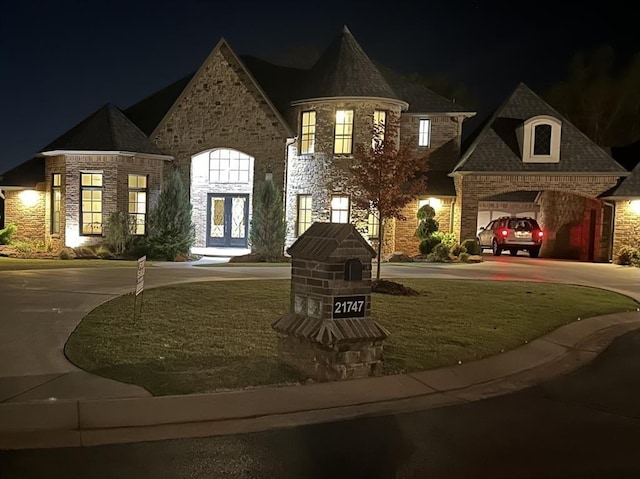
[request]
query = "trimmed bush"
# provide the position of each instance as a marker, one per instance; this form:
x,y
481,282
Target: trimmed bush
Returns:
x,y
66,253
426,245
629,256
441,253
458,249
118,231
7,232
464,257
446,238
472,246
426,225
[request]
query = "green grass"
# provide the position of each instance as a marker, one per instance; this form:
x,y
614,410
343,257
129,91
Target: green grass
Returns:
x,y
15,264
201,337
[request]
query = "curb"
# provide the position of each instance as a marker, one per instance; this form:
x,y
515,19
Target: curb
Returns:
x,y
73,423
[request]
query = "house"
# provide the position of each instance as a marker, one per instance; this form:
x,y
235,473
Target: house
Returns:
x,y
238,120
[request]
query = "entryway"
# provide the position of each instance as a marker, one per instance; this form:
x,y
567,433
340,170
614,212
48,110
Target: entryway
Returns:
x,y
227,220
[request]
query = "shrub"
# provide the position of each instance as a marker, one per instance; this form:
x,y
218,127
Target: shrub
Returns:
x,y
464,257
66,253
171,231
426,225
137,246
445,238
7,232
23,247
85,252
426,245
441,253
629,256
458,249
268,228
103,252
472,246
118,231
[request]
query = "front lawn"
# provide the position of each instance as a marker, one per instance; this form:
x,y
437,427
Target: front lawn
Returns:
x,y
14,264
201,337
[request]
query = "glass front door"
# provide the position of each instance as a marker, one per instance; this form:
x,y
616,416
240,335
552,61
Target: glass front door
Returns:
x,y
227,220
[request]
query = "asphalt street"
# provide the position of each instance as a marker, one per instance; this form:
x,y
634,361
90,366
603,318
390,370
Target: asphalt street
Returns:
x,y
582,425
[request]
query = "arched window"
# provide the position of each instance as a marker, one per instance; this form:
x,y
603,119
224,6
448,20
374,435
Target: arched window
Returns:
x,y
229,166
542,140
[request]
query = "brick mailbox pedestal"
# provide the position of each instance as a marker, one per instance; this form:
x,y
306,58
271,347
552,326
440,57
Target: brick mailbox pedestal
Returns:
x,y
328,333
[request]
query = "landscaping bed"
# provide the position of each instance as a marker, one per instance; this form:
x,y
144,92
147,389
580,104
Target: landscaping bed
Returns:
x,y
201,337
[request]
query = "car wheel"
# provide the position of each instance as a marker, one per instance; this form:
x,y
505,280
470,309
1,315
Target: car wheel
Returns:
x,y
513,252
497,250
534,252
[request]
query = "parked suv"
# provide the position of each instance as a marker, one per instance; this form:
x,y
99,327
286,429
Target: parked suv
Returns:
x,y
513,234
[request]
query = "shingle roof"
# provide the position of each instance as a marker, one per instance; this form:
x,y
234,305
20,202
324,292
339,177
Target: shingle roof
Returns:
x,y
344,69
108,129
148,112
321,239
629,187
26,174
420,98
496,147
439,183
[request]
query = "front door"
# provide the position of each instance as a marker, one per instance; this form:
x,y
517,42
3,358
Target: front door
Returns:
x,y
227,220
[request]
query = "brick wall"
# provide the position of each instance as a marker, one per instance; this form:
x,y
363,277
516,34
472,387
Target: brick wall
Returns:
x,y
626,230
27,218
222,108
405,239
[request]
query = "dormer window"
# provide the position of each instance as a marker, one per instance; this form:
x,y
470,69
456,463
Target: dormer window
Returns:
x,y
540,139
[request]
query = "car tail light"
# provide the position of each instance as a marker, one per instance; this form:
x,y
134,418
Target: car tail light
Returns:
x,y
504,233
540,234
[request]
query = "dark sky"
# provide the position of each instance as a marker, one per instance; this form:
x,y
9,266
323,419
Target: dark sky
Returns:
x,y
62,60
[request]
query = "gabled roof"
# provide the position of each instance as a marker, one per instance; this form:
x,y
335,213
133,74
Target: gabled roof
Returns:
x,y
108,129
496,147
629,187
321,239
344,69
25,175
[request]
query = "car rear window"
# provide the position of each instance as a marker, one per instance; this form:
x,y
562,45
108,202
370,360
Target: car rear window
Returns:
x,y
522,224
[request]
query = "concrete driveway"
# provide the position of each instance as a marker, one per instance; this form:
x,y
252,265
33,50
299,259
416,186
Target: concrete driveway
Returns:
x,y
40,309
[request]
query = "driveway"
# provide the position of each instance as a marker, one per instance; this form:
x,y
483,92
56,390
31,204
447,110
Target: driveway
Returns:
x,y
40,309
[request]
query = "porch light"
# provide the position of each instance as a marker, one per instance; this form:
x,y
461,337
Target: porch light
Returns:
x,y
635,206
435,203
29,198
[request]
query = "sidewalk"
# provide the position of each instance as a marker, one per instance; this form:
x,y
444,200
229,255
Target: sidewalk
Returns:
x,y
67,423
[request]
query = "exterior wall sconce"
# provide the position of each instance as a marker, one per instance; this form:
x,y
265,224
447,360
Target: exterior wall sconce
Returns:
x,y
435,203
635,206
29,198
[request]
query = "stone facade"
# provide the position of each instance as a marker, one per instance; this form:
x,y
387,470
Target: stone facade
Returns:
x,y
223,108
626,231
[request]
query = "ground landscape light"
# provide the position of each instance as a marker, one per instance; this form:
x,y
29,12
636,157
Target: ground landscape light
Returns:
x,y
635,206
29,198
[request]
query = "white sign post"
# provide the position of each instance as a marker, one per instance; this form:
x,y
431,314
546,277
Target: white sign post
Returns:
x,y
139,285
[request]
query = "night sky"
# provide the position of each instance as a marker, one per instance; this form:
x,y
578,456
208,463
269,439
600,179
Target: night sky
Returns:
x,y
62,60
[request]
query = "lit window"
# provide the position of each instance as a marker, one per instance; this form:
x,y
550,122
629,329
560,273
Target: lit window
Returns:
x,y
91,203
138,203
379,122
424,134
373,228
229,166
56,183
343,139
339,209
542,140
304,214
308,132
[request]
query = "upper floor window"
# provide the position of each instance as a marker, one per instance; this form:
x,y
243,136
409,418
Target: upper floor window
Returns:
x,y
339,209
343,138
229,166
138,203
91,203
424,132
540,139
308,132
304,214
379,126
56,195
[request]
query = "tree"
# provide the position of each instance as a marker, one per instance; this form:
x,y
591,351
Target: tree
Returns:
x,y
170,229
268,228
385,177
600,97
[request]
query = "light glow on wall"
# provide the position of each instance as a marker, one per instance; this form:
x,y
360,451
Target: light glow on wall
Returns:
x,y
73,238
29,198
635,206
435,203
